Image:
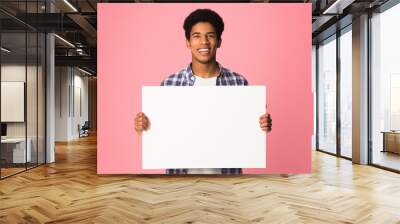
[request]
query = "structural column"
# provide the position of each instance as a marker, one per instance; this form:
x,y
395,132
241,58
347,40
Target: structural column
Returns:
x,y
360,90
50,92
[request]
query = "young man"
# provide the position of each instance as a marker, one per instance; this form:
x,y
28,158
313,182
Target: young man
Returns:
x,y
203,30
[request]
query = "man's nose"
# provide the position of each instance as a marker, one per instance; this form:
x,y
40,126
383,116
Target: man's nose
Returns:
x,y
204,40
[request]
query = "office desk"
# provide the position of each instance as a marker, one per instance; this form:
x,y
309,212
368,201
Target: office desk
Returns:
x,y
13,150
391,141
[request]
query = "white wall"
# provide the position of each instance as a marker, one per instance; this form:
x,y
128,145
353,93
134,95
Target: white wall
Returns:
x,y
62,78
79,117
70,94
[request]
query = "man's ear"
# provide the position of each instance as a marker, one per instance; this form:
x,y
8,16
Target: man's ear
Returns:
x,y
187,43
219,43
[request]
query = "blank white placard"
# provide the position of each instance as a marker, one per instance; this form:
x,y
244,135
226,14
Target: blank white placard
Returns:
x,y
204,127
12,101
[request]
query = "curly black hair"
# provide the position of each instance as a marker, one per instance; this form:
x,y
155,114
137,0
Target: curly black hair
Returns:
x,y
203,15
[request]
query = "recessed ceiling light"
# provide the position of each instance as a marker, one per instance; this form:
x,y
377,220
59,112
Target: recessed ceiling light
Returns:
x,y
70,5
337,7
84,71
5,50
64,40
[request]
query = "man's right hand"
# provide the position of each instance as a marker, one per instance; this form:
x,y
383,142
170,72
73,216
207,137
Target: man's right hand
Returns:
x,y
142,122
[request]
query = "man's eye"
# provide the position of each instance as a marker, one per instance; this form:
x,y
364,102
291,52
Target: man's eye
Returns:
x,y
211,35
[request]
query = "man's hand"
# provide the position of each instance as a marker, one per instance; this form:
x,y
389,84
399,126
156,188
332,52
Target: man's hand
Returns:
x,y
142,122
266,122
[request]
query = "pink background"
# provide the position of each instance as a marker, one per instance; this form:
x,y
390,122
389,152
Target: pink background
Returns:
x,y
141,44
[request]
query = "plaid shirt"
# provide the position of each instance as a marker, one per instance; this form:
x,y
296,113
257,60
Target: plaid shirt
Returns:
x,y
185,77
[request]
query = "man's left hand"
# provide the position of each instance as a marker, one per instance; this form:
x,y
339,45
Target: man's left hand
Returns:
x,y
266,122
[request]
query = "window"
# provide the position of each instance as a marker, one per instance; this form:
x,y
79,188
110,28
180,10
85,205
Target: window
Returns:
x,y
346,93
385,88
327,95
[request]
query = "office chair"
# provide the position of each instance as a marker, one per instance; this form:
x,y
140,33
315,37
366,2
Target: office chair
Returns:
x,y
84,130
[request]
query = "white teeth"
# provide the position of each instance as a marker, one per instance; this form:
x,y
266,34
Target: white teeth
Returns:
x,y
203,50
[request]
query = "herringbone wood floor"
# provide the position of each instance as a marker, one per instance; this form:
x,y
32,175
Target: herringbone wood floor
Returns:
x,y
70,191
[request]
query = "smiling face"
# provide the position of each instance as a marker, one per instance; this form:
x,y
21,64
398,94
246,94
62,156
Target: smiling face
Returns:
x,y
203,43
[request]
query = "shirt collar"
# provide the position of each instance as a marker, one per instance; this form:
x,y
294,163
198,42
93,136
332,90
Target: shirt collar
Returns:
x,y
190,76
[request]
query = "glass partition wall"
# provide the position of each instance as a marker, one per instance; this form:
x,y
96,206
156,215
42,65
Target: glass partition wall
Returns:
x,y
22,88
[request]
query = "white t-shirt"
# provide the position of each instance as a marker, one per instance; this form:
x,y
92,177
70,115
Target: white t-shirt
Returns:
x,y
205,82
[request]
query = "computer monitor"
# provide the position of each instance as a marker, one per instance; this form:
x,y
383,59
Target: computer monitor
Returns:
x,y
3,129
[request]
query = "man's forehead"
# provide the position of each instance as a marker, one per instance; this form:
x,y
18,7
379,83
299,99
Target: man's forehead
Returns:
x,y
205,27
